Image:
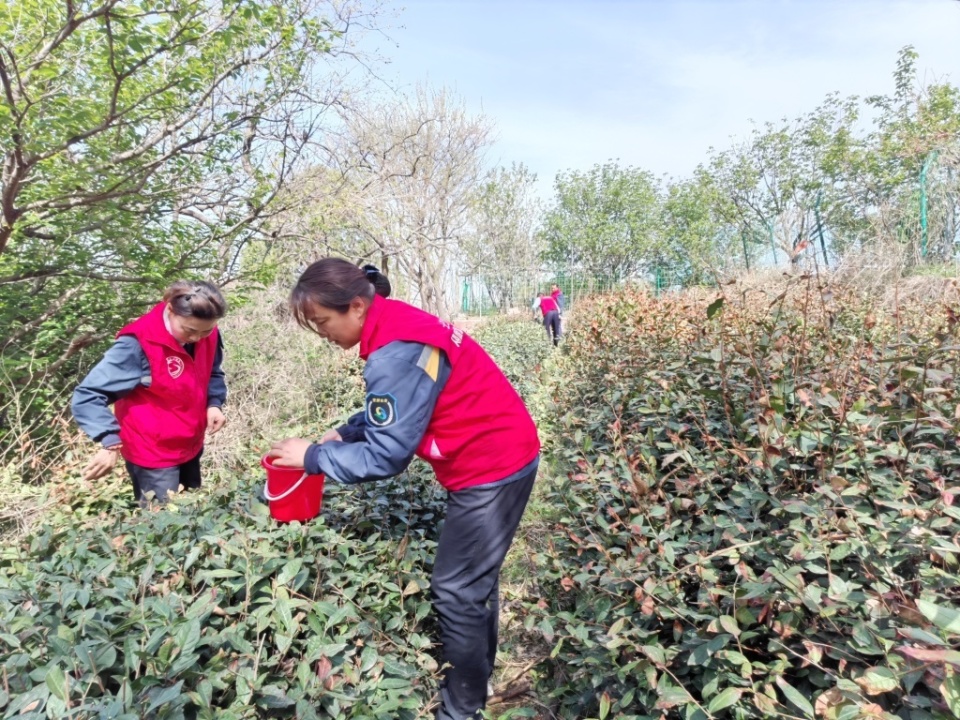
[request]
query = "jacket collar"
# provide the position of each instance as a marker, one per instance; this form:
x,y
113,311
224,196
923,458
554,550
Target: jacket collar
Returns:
x,y
370,325
159,332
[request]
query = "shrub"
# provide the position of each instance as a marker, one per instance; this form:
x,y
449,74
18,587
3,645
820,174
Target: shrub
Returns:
x,y
757,510
211,609
519,347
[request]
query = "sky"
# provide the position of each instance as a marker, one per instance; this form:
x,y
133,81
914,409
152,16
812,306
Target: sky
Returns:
x,y
654,83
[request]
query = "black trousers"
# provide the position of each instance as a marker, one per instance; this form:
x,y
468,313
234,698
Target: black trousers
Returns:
x,y
551,321
477,532
164,480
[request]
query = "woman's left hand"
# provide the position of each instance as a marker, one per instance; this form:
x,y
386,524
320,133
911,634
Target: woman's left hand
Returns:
x,y
290,452
215,420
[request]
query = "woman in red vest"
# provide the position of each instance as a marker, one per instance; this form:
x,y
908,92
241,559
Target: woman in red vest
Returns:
x,y
432,391
164,378
551,317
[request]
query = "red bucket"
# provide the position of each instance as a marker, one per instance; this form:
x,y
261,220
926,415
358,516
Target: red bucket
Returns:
x,y
292,493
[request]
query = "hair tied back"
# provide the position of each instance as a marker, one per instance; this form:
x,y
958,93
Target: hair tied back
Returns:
x,y
379,281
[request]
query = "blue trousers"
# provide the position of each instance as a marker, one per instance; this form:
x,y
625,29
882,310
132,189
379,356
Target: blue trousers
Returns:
x,y
551,321
477,532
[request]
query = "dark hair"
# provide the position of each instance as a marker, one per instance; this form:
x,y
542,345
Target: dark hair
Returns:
x,y
195,298
380,282
333,283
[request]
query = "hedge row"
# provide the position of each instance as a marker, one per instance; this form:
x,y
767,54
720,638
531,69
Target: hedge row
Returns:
x,y
758,510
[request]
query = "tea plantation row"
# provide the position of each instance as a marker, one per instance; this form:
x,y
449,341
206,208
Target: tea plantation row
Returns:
x,y
746,510
757,514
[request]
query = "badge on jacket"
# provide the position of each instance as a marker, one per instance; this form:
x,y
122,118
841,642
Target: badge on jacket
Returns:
x,y
174,366
381,409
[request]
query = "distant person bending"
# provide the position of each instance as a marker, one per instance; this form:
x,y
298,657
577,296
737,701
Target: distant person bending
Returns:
x,y
557,294
164,378
551,318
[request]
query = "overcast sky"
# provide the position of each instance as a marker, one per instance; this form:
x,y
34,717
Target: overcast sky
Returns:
x,y
655,83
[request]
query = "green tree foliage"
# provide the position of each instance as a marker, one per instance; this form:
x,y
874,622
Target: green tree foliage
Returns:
x,y
777,185
915,124
504,249
604,222
697,238
878,176
141,141
820,186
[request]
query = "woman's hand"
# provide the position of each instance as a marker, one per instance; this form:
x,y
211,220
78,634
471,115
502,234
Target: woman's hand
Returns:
x,y
290,452
101,464
215,420
329,436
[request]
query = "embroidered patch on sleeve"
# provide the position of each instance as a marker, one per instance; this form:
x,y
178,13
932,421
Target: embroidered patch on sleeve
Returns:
x,y
381,409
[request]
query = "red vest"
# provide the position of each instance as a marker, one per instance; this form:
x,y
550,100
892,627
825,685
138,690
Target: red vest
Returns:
x,y
548,304
480,431
163,425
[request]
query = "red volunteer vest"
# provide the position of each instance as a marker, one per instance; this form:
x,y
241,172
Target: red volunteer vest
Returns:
x,y
548,304
480,431
163,425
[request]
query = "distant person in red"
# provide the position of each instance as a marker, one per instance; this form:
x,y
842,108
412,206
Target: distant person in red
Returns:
x,y
163,377
557,294
551,317
433,392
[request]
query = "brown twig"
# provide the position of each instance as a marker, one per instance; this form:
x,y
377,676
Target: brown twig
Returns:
x,y
509,694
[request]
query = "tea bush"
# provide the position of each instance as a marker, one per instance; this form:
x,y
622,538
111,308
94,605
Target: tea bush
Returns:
x,y
519,346
757,510
211,609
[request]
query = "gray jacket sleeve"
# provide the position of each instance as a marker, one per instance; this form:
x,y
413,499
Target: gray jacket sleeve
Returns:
x,y
123,367
402,389
217,387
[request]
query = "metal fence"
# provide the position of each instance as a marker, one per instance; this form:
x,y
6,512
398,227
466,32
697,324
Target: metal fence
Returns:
x,y
477,298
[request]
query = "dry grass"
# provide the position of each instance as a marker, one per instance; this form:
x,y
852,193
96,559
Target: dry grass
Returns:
x,y
283,381
35,450
22,507
881,276
34,445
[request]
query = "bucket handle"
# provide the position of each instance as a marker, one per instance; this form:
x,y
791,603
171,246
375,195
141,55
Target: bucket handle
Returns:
x,y
281,496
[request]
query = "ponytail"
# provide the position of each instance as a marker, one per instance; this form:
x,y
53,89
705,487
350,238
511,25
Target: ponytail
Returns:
x,y
380,282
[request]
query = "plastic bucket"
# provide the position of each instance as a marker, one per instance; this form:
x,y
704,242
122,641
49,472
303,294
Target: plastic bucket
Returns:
x,y
292,493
